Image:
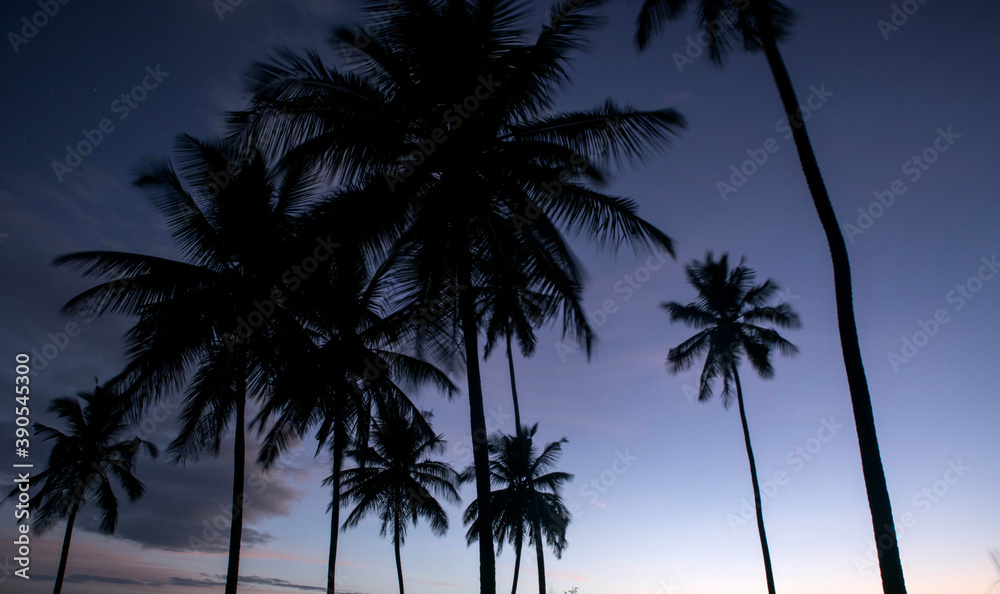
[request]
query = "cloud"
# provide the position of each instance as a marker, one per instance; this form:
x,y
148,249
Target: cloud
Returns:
x,y
206,581
187,508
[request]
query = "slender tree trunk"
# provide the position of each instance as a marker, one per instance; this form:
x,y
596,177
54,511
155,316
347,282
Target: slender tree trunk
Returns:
x,y
768,573
539,554
239,470
399,562
519,542
480,455
513,388
61,574
871,461
339,445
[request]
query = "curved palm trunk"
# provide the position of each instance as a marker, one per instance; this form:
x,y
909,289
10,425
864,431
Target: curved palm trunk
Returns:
x,y
513,388
399,562
477,414
239,469
871,461
768,573
339,445
536,527
65,548
518,543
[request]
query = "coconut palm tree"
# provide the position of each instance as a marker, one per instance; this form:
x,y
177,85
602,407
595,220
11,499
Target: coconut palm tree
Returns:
x,y
208,324
527,501
759,25
514,301
397,480
346,362
727,313
83,463
444,124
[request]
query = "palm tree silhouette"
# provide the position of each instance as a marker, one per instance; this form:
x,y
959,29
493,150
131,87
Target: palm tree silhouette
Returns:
x,y
514,301
343,363
444,127
210,322
82,465
727,312
759,25
527,499
395,479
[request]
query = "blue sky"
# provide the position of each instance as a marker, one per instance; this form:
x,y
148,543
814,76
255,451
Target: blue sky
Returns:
x,y
661,482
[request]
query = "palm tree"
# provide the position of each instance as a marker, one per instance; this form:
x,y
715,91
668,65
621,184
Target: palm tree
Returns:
x,y
397,480
345,363
760,25
513,302
444,126
209,322
727,312
83,463
527,499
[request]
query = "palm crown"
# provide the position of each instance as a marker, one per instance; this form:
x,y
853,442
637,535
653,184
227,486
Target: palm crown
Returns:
x,y
727,313
86,460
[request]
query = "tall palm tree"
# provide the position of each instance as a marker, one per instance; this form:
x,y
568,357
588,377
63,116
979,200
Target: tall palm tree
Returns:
x,y
759,25
727,313
444,124
207,324
514,301
397,480
346,362
527,500
82,465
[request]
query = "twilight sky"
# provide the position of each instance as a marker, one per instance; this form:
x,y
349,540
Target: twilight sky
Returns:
x,y
662,495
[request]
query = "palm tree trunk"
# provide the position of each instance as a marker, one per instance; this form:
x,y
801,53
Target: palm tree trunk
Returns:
x,y
513,388
871,461
399,562
339,444
539,554
768,573
239,464
65,548
517,562
480,455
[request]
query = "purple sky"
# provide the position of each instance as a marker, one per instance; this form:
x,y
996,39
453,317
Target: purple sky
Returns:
x,y
661,484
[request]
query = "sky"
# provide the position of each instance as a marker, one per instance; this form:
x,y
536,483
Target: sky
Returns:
x,y
661,495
